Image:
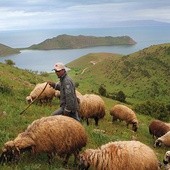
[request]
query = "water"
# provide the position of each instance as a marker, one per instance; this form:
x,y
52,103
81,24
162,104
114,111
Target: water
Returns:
x,y
44,60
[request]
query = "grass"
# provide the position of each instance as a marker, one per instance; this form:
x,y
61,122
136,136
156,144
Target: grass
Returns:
x,y
16,84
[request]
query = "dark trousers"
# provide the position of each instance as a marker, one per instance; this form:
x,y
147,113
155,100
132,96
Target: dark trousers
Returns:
x,y
60,111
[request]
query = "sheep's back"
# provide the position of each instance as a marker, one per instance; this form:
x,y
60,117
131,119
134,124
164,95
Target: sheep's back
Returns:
x,y
60,133
92,105
158,128
122,155
122,112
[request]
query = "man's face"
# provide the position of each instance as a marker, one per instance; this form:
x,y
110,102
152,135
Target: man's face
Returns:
x,y
59,73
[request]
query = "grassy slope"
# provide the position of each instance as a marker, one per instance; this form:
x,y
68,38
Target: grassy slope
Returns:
x,y
5,50
15,85
141,76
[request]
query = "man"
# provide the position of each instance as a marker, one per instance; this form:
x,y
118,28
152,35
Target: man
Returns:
x,y
68,99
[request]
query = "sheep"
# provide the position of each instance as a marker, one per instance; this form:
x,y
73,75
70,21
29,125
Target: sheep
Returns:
x,y
166,160
91,106
46,96
126,114
120,155
61,135
158,128
163,140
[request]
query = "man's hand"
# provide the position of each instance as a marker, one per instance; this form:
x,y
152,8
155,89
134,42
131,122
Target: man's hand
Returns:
x,y
67,112
52,84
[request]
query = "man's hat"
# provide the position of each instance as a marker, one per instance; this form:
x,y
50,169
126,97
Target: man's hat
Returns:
x,y
59,66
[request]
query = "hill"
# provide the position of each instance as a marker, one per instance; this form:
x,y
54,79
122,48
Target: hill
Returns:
x,y
143,75
6,50
90,71
72,42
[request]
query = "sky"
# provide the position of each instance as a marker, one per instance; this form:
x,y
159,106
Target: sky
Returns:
x,y
53,14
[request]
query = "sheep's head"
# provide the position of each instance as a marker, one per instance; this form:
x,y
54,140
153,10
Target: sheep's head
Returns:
x,y
166,159
9,153
158,143
135,126
29,99
83,163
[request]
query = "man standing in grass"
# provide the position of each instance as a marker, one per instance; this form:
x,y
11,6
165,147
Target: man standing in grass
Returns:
x,y
68,98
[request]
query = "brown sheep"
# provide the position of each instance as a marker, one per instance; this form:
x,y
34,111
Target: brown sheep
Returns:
x,y
91,106
126,114
158,128
46,96
120,155
59,135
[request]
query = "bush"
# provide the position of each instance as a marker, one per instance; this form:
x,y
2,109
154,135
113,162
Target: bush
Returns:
x,y
102,90
154,109
120,96
9,62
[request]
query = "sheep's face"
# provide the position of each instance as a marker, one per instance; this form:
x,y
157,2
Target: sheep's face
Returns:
x,y
9,154
158,143
166,159
82,163
135,126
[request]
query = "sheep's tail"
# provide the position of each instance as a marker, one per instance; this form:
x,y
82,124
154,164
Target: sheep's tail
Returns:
x,y
34,99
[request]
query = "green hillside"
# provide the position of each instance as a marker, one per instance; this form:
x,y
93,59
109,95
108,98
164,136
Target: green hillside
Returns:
x,y
116,72
144,75
72,42
5,50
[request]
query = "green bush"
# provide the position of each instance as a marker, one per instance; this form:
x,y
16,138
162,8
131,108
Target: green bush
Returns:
x,y
154,109
120,96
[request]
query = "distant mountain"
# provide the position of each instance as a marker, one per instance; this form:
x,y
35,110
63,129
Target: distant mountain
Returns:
x,y
76,42
140,23
6,50
144,75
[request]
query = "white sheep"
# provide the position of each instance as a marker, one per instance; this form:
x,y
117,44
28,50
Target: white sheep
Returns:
x,y
166,160
91,106
59,135
46,96
126,114
120,155
163,140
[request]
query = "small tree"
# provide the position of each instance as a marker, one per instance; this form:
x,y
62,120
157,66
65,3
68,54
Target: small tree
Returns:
x,y
102,90
9,62
121,96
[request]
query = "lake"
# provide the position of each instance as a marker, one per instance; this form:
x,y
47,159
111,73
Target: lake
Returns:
x,y
43,61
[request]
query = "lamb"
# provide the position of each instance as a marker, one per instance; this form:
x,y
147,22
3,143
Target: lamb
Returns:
x,y
91,106
158,128
163,140
120,155
126,114
46,96
59,135
166,160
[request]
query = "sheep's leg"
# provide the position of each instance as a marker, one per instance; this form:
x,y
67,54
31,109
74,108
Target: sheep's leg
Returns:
x,y
50,157
75,157
114,118
87,120
66,159
96,121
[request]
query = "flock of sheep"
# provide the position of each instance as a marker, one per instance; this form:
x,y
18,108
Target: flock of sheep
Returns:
x,y
64,136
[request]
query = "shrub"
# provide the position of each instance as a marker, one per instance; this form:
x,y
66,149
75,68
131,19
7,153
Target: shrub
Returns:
x,y
154,109
120,96
102,90
9,62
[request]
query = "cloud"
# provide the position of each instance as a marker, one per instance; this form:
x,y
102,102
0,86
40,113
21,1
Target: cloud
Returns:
x,y
36,14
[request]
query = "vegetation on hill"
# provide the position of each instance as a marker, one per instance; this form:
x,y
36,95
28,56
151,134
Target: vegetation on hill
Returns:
x,y
142,76
72,42
5,50
133,74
